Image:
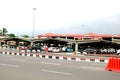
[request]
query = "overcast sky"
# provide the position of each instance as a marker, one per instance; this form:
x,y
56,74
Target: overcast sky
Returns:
x,y
60,16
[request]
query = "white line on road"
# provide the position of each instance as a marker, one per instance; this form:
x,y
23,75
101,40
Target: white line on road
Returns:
x,y
50,63
8,56
92,68
1,64
18,60
57,72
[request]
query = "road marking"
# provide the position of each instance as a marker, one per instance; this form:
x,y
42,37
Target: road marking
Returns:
x,y
57,72
1,64
9,56
92,68
18,60
50,63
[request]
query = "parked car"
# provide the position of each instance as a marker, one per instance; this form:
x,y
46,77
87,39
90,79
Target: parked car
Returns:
x,y
34,47
104,50
22,48
56,49
42,48
108,50
118,52
90,50
50,49
80,50
111,50
69,49
64,49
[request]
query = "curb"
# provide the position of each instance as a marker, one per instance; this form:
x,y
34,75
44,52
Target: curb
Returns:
x,y
57,57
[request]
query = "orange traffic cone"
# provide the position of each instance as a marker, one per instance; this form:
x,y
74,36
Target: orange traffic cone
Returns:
x,y
113,64
109,65
117,65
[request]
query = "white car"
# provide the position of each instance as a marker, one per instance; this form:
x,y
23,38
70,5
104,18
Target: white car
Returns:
x,y
118,52
50,49
64,49
56,50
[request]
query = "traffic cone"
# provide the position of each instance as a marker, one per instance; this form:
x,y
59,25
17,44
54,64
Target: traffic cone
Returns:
x,y
113,65
110,65
117,66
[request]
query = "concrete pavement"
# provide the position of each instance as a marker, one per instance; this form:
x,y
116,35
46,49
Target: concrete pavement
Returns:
x,y
13,67
60,57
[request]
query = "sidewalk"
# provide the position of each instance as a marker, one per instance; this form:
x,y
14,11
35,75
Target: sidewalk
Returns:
x,y
71,54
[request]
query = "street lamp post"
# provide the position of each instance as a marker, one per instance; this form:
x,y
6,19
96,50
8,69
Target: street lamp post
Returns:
x,y
34,9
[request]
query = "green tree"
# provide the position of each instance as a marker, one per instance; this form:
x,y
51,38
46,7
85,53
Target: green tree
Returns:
x,y
25,36
3,32
11,35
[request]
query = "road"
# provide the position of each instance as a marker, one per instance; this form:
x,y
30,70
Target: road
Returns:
x,y
13,67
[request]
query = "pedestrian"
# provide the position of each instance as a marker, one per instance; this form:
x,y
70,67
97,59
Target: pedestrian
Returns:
x,y
46,49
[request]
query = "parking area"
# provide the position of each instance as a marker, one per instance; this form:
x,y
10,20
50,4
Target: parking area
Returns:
x,y
88,44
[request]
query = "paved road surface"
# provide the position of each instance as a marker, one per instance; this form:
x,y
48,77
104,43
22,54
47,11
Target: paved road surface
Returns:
x,y
30,68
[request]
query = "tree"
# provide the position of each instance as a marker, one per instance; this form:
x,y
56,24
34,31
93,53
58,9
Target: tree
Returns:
x,y
25,36
11,35
3,32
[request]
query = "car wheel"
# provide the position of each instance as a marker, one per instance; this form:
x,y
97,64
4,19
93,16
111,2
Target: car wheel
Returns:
x,y
118,53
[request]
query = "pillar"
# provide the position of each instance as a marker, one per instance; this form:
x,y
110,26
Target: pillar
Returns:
x,y
76,47
31,43
0,43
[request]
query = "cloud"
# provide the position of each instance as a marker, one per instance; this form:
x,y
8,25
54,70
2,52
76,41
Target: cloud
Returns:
x,y
104,25
108,25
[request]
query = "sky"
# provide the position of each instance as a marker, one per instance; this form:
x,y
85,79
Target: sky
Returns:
x,y
60,16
